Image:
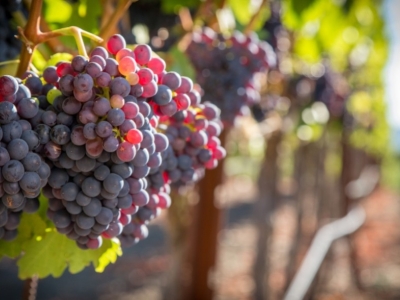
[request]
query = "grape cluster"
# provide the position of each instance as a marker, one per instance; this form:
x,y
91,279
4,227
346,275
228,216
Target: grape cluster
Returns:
x,y
102,156
10,45
23,172
225,69
193,143
161,25
97,124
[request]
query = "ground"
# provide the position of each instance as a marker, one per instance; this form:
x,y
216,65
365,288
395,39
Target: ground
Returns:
x,y
141,272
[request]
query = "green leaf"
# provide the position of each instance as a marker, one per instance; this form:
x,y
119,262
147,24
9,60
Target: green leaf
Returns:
x,y
31,226
42,251
180,63
45,256
171,6
54,252
240,9
300,5
84,14
57,11
244,11
100,258
108,256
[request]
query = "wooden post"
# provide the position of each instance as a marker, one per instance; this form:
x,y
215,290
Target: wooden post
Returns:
x,y
353,161
264,208
206,232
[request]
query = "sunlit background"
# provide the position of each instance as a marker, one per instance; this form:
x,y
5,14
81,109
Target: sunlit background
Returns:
x,y
392,15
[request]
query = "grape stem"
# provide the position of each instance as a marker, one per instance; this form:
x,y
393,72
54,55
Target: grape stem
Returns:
x,y
108,30
9,62
31,35
186,19
54,44
250,26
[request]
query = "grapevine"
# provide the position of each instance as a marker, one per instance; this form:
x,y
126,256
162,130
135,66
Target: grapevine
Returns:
x,y
89,134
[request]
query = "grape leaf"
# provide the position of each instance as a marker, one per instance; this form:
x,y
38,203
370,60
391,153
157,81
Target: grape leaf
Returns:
x,y
42,251
54,252
100,258
110,255
31,226
45,256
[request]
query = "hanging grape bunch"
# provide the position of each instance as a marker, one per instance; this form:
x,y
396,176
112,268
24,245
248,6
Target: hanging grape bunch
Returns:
x,y
90,137
225,69
193,141
23,172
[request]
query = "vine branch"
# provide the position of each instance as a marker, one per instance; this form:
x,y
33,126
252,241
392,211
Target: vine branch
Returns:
x,y
250,26
31,35
108,29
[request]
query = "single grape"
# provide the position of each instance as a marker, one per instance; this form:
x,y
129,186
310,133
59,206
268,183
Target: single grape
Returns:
x,y
8,85
103,129
84,221
111,144
111,67
103,79
157,65
113,183
101,51
49,118
60,134
134,136
13,171
79,63
115,116
8,112
30,182
163,95
91,187
94,147
116,43
172,80
117,101
142,54
99,60
93,208
120,86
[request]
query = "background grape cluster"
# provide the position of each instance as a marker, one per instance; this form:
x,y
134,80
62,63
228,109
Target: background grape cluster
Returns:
x,y
10,46
225,68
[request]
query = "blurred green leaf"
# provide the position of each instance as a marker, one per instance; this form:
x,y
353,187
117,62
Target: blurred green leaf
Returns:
x,y
180,63
243,12
84,14
172,6
57,11
300,6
